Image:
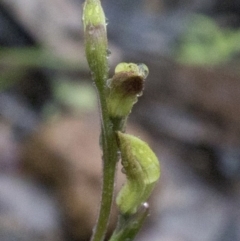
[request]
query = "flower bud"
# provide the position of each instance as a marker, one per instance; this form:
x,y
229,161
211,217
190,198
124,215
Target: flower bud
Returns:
x,y
142,171
125,87
96,44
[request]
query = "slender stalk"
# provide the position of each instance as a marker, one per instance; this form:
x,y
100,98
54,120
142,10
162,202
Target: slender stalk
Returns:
x,y
96,46
110,158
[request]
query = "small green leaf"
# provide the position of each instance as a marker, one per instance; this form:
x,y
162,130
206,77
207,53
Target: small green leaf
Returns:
x,y
142,171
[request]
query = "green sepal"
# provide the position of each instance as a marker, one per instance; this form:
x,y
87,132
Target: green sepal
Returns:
x,y
96,44
125,87
136,69
142,170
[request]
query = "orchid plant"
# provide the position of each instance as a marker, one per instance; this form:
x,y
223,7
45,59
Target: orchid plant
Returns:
x,y
117,95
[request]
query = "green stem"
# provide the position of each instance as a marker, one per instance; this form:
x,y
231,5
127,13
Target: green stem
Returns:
x,y
129,226
110,158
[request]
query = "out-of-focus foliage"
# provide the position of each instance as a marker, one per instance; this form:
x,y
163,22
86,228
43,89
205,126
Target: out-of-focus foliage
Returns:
x,y
76,96
68,94
15,61
205,43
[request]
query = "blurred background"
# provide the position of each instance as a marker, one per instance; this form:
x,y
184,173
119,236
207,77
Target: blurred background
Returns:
x,y
50,162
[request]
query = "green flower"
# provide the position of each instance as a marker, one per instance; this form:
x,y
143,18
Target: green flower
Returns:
x,y
142,171
125,87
